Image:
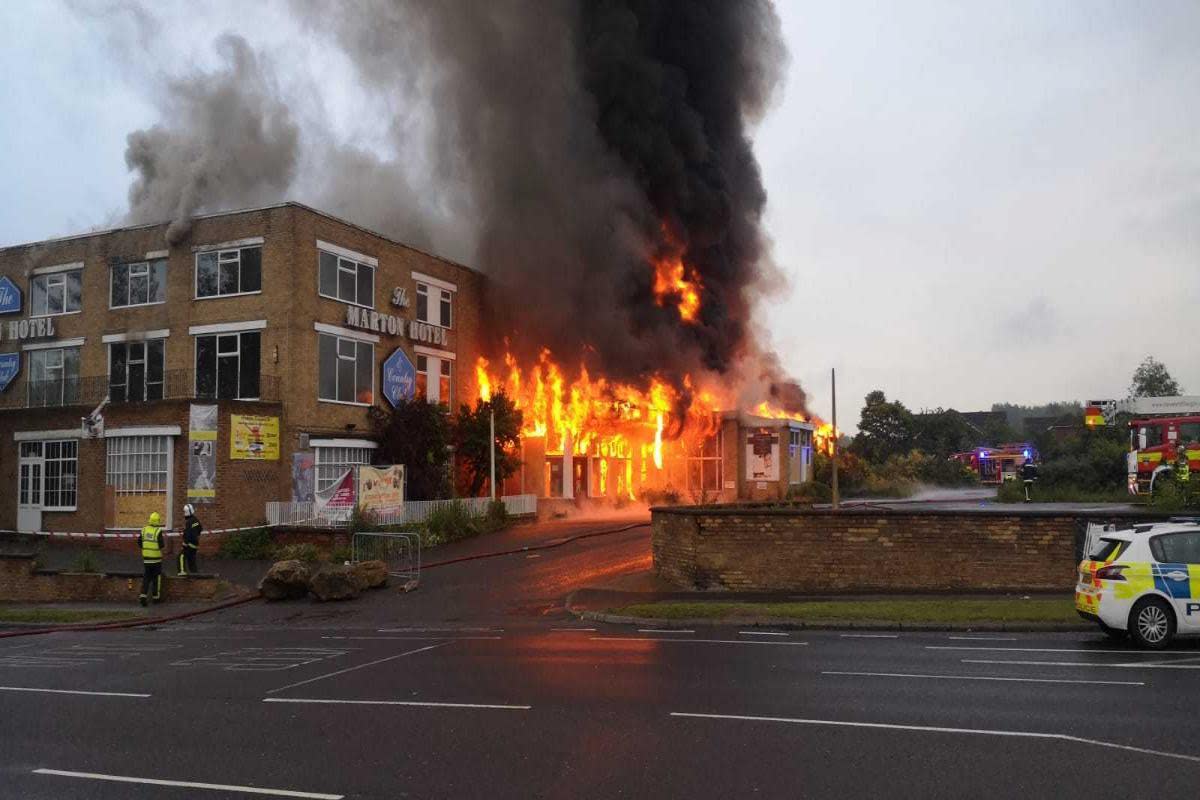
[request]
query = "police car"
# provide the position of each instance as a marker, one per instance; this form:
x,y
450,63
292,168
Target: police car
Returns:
x,y
1144,582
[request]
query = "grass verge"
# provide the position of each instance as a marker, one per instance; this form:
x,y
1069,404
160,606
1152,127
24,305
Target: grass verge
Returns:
x,y
64,615
1039,609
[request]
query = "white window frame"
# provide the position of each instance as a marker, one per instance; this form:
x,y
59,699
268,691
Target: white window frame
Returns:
x,y
145,342
345,260
127,471
719,457
56,278
42,446
356,341
330,461
221,254
435,295
128,266
45,352
234,329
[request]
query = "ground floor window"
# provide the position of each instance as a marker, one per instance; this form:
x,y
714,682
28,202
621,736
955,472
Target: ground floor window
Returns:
x,y
48,476
704,465
799,455
332,462
138,464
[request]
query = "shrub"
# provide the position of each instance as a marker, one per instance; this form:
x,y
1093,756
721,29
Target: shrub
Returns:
x,y
1011,492
306,552
1170,495
668,496
450,523
362,520
496,516
340,554
251,545
811,492
85,562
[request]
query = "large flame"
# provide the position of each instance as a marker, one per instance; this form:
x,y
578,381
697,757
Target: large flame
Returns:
x,y
823,434
675,284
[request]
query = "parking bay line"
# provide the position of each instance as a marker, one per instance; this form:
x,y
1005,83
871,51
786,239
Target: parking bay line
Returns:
x,y
418,703
665,630
981,678
870,636
1120,665
416,638
763,633
1052,650
983,638
70,691
689,641
221,787
351,669
1064,737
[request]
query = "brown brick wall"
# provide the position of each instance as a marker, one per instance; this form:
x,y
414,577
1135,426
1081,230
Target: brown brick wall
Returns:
x,y
20,583
823,551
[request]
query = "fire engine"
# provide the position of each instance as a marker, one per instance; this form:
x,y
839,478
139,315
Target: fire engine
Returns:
x,y
1163,430
997,464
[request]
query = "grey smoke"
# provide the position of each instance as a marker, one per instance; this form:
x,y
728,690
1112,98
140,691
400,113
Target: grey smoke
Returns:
x,y
228,141
557,146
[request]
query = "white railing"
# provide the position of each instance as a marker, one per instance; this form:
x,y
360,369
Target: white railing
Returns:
x,y
305,514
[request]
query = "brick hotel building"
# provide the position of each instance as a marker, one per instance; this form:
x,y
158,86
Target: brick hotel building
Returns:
x,y
282,315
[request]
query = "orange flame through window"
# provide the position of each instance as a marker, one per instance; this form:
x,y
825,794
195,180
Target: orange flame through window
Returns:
x,y
675,284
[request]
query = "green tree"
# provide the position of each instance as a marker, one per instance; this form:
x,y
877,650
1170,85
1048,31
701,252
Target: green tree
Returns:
x,y
416,434
1151,379
884,430
942,432
472,442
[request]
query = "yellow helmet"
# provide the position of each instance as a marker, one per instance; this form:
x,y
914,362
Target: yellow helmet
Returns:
x,y
155,519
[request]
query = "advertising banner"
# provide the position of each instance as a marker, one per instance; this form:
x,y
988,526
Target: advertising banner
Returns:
x,y
10,365
399,378
303,477
253,438
202,454
339,497
762,455
381,489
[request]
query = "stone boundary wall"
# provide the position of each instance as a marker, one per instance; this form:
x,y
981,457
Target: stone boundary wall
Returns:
x,y
22,582
325,539
747,548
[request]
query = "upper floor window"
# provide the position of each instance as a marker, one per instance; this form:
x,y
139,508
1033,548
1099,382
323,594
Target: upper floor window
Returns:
x,y
227,272
433,305
135,371
55,293
347,280
54,376
435,378
139,283
346,370
227,365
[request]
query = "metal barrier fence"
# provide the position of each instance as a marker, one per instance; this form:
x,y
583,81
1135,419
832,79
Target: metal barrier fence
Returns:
x,y
400,551
307,514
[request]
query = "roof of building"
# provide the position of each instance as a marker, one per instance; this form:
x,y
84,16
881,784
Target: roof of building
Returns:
x,y
230,213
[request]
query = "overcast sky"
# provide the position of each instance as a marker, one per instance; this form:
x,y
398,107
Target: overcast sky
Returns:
x,y
974,202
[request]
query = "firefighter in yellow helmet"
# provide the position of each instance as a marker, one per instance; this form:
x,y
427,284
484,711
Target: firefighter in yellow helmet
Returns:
x,y
154,545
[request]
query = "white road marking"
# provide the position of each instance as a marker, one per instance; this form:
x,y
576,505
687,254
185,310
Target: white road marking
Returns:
x,y
221,787
982,678
870,636
70,691
351,669
763,633
416,638
440,630
1110,665
426,704
687,641
260,659
1051,650
665,630
562,630
983,638
938,729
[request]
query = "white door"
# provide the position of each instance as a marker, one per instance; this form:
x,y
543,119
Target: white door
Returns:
x,y
29,489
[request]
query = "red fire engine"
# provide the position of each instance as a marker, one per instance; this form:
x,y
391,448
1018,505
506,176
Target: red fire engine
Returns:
x,y
1163,431
997,464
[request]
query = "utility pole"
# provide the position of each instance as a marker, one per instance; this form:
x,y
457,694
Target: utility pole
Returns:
x,y
492,447
833,395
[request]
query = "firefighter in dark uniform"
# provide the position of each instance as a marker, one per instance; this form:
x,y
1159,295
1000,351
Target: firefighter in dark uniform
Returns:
x,y
191,541
154,544
1029,474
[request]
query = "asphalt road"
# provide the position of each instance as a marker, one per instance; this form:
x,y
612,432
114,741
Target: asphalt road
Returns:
x,y
479,685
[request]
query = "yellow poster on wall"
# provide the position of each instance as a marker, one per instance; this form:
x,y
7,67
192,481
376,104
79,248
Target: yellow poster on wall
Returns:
x,y
253,438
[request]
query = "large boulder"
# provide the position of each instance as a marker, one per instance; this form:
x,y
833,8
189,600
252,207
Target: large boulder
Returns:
x,y
335,582
371,574
285,580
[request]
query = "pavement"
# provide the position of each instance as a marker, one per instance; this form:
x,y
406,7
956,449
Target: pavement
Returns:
x,y
480,684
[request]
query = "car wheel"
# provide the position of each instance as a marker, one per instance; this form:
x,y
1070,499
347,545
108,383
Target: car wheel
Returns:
x,y
1152,623
1116,634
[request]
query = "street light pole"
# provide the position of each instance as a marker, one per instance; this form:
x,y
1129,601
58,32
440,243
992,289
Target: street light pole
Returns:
x,y
492,447
833,395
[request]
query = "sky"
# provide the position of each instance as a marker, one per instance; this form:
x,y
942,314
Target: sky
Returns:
x,y
973,202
